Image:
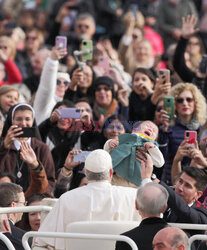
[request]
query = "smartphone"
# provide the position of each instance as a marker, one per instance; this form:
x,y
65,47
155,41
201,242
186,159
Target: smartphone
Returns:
x,y
87,45
61,42
169,106
74,7
81,156
190,137
74,113
28,132
103,62
10,25
203,64
164,75
134,9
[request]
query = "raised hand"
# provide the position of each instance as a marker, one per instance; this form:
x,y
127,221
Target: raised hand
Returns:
x,y
188,26
160,89
146,164
182,151
55,115
69,162
11,135
28,155
165,120
58,53
77,77
123,97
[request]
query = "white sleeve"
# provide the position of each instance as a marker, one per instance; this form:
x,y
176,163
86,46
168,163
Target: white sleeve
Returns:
x,y
44,100
157,157
107,147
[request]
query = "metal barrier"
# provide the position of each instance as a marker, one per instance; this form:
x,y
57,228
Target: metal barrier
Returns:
x,y
189,226
77,236
27,209
196,237
6,241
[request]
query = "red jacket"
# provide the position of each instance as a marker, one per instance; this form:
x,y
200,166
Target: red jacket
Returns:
x,y
13,73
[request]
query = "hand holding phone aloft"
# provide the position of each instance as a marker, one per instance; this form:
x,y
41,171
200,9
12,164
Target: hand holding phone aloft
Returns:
x,y
61,42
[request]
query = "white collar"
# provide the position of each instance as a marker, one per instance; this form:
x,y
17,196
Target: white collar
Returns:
x,y
17,143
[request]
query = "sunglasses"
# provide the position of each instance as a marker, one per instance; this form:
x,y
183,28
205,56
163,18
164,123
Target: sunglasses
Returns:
x,y
104,88
181,100
158,108
33,38
66,83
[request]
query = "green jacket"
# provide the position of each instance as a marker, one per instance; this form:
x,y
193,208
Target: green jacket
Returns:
x,y
124,157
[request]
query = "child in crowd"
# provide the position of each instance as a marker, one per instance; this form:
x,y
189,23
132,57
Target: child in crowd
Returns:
x,y
123,151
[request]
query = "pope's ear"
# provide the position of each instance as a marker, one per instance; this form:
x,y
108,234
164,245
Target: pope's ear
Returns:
x,y
137,208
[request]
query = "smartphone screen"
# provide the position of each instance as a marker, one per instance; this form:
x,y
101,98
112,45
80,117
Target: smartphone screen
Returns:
x,y
61,42
28,132
81,156
74,113
169,106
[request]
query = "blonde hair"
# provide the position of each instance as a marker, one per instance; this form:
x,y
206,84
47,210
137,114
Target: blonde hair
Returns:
x,y
200,112
10,44
7,88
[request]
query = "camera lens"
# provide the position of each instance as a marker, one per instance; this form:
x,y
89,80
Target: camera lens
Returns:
x,y
187,134
85,43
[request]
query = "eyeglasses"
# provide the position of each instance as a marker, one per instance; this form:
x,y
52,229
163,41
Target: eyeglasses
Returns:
x,y
104,88
181,100
158,108
66,83
83,26
21,202
33,38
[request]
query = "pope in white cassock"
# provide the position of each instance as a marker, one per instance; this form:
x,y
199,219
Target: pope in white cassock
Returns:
x,y
99,200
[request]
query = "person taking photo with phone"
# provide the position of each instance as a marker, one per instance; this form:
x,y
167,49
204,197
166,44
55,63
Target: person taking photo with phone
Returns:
x,y
24,156
190,111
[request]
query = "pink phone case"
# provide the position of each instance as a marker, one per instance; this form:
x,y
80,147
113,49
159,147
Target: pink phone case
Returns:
x,y
190,136
61,42
164,75
103,62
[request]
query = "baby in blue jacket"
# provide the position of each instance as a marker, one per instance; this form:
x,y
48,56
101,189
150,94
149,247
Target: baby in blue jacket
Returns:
x,y
123,151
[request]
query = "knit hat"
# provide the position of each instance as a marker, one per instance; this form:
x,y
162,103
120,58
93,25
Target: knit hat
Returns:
x,y
104,80
64,76
145,71
98,161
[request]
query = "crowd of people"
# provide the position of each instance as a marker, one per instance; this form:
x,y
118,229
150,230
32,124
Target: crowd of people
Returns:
x,y
122,146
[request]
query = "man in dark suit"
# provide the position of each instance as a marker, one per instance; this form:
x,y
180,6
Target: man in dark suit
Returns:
x,y
12,195
183,204
6,230
151,202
